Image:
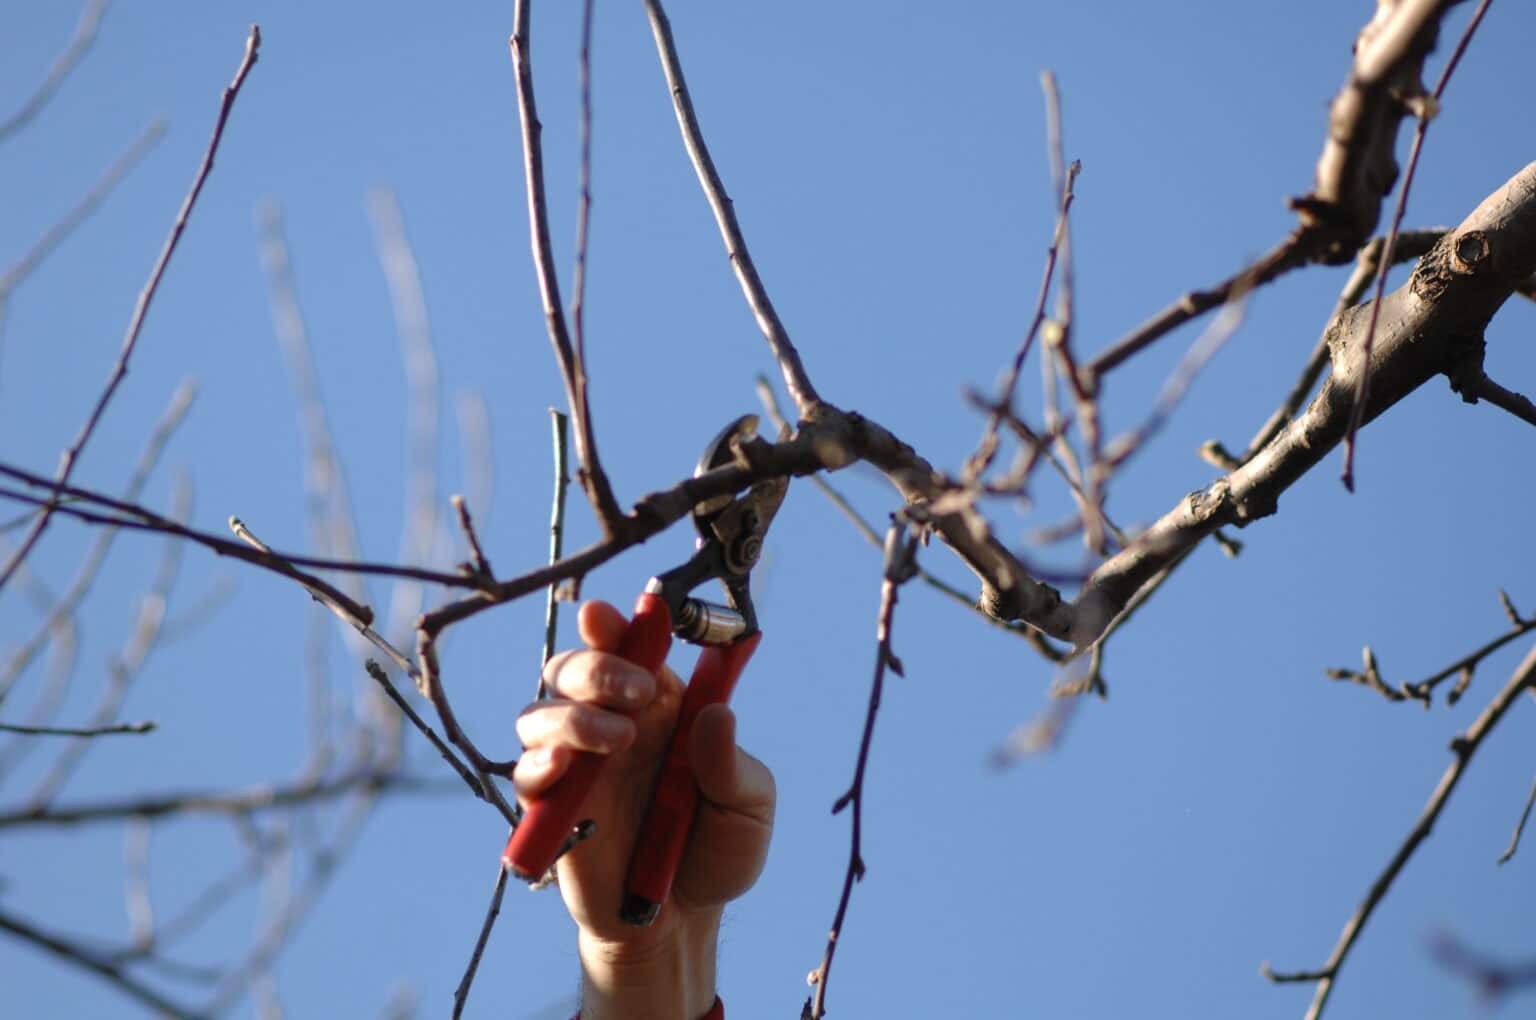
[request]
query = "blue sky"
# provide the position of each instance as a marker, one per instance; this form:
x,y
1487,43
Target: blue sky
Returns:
x,y
1226,805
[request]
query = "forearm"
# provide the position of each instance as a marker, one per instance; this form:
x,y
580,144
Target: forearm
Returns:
x,y
670,978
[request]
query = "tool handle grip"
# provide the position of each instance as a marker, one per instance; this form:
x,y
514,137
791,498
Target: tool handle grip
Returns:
x,y
669,821
550,816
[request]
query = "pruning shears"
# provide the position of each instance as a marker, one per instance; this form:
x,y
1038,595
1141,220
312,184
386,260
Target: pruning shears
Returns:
x,y
731,530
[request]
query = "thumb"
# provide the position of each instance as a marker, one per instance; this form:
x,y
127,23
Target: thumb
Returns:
x,y
729,777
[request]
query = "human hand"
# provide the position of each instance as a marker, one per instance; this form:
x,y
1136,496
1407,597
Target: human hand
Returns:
x,y
604,704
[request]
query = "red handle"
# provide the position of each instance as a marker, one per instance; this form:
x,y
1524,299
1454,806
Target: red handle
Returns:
x,y
552,815
665,831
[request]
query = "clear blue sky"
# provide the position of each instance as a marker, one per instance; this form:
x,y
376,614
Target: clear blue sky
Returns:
x,y
1226,806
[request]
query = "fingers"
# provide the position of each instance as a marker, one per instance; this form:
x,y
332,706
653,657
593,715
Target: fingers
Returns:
x,y
600,625
572,724
599,678
540,768
727,776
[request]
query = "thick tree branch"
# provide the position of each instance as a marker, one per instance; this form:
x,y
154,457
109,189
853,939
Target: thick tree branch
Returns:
x,y
1358,167
1426,109
1433,324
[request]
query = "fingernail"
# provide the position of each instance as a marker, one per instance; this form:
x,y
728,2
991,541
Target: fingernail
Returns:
x,y
537,759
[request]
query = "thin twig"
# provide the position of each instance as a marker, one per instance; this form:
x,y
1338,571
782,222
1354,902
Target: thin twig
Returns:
x,y
557,424
419,524
1514,840
431,686
125,667
79,42
382,679
1463,747
218,802
1285,256
986,450
1199,354
324,864
65,606
796,378
1423,690
80,957
148,726
478,563
1427,110
1483,388
136,324
134,517
900,567
461,993
583,187
82,210
573,369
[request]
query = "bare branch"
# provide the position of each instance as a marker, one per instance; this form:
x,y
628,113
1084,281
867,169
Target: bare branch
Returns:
x,y
492,912
987,449
1036,640
573,368
82,210
85,576
801,390
1358,166
477,562
148,726
1285,256
1423,690
80,957
1426,110
1514,840
1452,294
1463,748
220,802
900,567
419,524
382,679
124,668
136,324
1410,245
431,686
1483,388
558,429
84,35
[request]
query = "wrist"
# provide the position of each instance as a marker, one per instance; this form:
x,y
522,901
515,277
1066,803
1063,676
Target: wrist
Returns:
x,y
670,976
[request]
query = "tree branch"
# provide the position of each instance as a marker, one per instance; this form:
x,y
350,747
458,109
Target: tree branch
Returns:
x,y
801,390
1463,748
84,35
136,324
573,368
900,567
